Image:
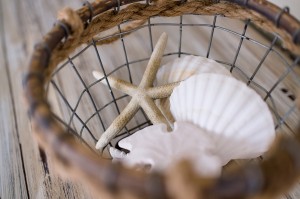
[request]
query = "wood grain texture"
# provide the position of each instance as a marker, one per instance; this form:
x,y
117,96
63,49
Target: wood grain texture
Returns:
x,y
12,174
23,23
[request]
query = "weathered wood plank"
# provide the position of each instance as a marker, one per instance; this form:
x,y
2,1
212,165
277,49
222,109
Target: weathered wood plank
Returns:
x,y
25,23
12,179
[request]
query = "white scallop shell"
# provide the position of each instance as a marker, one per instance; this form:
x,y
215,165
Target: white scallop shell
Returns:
x,y
238,120
159,149
182,68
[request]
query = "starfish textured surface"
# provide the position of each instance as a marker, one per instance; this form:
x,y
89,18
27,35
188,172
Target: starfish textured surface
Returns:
x,y
142,96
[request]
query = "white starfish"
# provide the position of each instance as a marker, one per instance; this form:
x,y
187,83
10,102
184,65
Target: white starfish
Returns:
x,y
142,95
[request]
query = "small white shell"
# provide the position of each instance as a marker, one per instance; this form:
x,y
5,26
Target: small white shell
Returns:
x,y
156,147
181,69
238,120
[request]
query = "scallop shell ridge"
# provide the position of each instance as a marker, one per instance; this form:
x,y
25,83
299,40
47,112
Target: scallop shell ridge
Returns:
x,y
182,68
237,118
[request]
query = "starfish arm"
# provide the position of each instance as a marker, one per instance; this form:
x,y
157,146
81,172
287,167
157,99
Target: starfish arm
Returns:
x,y
115,83
161,91
154,62
118,124
153,113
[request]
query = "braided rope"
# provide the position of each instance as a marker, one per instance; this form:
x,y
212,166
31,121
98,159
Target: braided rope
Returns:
x,y
127,29
142,12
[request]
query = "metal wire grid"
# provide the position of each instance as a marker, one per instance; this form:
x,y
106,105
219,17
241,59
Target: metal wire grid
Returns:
x,y
280,119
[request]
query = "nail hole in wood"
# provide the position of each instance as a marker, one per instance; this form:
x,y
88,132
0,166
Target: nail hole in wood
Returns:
x,y
292,97
284,90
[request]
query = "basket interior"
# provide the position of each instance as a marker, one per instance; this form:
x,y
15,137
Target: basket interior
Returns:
x,y
86,107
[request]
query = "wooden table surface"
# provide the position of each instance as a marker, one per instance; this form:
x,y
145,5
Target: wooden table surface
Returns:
x,y
22,172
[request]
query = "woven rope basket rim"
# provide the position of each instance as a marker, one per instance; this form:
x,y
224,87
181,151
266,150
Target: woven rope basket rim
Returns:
x,y
81,163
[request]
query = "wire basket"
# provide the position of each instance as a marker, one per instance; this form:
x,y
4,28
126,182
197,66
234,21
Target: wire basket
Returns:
x,y
118,40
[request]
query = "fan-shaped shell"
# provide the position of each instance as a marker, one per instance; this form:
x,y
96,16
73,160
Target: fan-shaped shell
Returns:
x,y
238,120
182,68
155,147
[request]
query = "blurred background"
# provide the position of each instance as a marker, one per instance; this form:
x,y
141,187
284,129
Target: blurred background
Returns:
x,y
293,4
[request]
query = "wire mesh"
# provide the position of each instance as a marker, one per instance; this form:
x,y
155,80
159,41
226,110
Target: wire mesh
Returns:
x,y
86,107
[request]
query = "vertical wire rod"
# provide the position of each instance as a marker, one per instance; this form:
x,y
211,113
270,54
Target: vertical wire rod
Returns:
x,y
150,34
105,76
286,115
290,68
180,36
89,94
125,53
68,105
127,65
263,59
240,44
211,35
